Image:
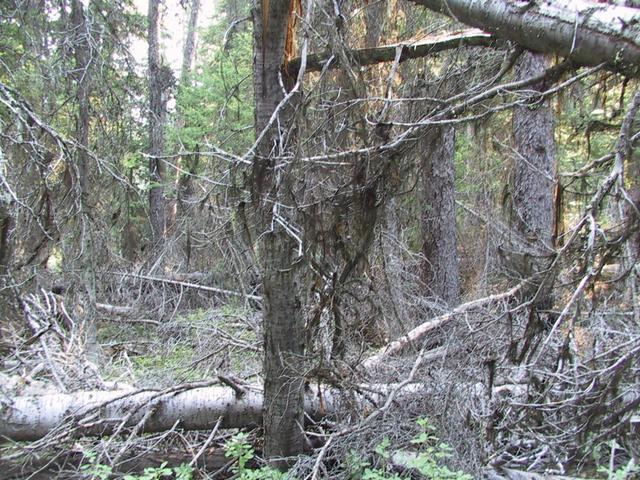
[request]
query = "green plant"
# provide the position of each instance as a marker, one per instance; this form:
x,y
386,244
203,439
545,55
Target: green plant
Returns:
x,y
624,472
432,451
99,471
239,448
152,473
183,472
426,461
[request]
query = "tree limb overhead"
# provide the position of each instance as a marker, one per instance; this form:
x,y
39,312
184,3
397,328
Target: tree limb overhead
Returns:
x,y
387,53
587,32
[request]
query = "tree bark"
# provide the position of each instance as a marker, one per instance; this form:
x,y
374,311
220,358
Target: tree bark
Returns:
x,y
589,33
6,224
82,59
283,317
535,165
440,267
81,258
534,180
189,50
95,413
31,418
184,179
157,113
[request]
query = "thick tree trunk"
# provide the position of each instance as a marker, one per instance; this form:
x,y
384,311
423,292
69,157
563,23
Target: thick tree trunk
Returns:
x,y
437,169
82,78
157,113
284,350
283,318
587,32
31,418
94,413
535,163
534,179
6,224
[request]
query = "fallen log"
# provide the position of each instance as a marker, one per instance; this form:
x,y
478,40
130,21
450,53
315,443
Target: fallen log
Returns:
x,y
587,32
418,334
96,413
197,407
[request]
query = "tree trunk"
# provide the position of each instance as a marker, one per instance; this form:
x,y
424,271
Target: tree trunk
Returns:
x,y
437,169
157,113
31,418
535,174
184,179
82,59
189,50
283,318
587,32
6,224
94,413
81,258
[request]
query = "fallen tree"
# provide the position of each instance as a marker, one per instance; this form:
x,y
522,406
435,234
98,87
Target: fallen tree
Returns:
x,y
588,33
418,334
196,406
101,413
188,407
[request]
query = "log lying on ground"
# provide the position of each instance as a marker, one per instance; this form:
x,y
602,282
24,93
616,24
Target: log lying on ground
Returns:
x,y
100,413
94,413
587,32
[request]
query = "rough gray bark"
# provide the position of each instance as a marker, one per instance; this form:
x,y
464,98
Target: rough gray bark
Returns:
x,y
535,165
82,56
534,176
187,165
6,224
189,50
283,317
157,113
587,32
284,350
82,256
437,170
375,15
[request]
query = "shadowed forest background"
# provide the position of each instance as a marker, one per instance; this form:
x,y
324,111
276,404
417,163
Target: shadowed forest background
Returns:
x,y
342,239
